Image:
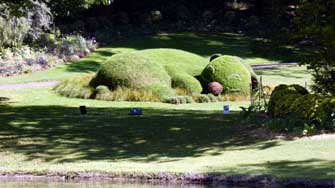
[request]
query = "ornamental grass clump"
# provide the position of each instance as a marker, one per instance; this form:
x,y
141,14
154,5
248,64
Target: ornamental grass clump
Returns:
x,y
76,88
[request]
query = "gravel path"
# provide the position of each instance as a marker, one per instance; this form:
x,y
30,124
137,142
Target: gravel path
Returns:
x,y
28,85
54,82
268,66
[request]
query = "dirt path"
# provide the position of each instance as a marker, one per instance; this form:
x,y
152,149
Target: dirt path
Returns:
x,y
29,85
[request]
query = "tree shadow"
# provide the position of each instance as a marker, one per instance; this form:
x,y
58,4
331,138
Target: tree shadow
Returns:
x,y
199,43
4,99
90,63
205,44
59,134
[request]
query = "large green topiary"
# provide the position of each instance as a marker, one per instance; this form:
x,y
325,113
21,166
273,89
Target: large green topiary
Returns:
x,y
182,67
161,68
131,70
230,72
282,97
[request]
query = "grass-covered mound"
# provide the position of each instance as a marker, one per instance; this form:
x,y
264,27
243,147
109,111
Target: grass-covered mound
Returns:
x,y
230,72
143,75
152,69
160,75
135,71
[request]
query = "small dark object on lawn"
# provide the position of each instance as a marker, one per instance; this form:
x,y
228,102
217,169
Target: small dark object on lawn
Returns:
x,y
83,110
136,111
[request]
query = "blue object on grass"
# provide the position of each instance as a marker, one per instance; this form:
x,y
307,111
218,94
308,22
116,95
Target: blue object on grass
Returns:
x,y
136,111
226,109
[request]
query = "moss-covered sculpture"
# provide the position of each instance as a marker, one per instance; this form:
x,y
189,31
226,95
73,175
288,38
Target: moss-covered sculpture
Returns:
x,y
230,72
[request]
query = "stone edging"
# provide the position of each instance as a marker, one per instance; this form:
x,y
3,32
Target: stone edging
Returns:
x,y
172,178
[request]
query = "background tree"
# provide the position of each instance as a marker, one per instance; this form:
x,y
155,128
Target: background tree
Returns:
x,y
315,23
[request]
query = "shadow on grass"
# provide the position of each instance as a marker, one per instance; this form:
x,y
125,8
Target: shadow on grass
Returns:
x,y
90,63
207,44
3,99
59,134
198,43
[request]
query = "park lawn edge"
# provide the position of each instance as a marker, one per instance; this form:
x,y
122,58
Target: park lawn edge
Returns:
x,y
166,177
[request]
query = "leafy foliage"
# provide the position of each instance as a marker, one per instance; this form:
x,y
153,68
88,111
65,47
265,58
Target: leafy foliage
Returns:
x,y
305,107
282,97
326,114
316,25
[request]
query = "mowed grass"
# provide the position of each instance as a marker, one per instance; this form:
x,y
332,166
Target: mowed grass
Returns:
x,y
199,43
50,136
41,132
286,75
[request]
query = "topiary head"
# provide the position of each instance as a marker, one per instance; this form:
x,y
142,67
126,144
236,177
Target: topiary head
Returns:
x,y
230,72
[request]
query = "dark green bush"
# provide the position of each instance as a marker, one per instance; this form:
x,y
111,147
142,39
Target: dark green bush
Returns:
x,y
306,106
279,95
282,107
326,114
289,123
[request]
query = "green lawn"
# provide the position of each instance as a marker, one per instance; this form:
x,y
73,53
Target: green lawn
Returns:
x,y
50,136
41,132
286,75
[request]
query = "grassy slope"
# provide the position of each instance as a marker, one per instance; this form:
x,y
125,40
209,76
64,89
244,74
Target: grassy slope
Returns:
x,y
40,131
